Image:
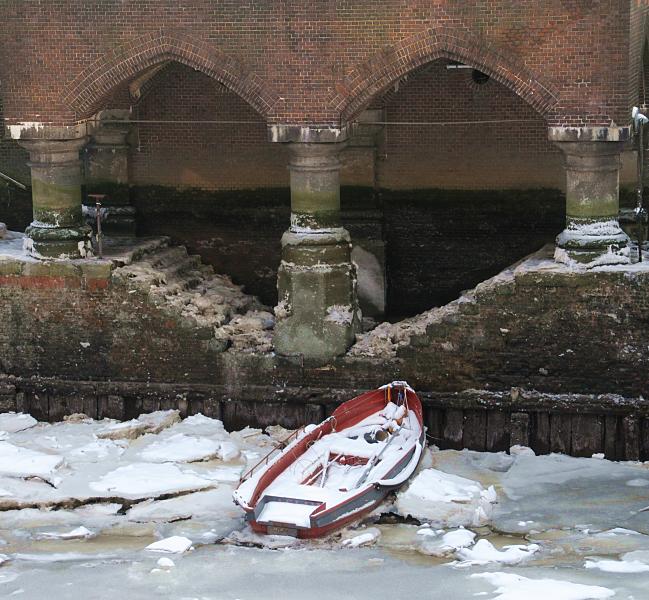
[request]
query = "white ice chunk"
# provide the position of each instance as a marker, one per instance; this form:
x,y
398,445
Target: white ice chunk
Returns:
x,y
638,482
3,558
516,587
209,504
484,552
460,538
23,462
147,480
448,543
76,534
180,448
126,430
176,544
369,536
153,422
228,451
521,451
12,422
445,499
617,566
159,420
96,450
166,563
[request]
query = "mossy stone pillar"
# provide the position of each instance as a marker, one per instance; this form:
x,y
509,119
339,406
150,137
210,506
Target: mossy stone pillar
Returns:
x,y
58,229
107,173
317,314
592,167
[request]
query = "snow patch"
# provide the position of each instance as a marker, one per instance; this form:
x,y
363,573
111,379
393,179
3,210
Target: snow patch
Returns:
x,y
12,422
180,448
175,544
617,566
369,536
516,587
24,463
76,534
146,480
484,553
446,499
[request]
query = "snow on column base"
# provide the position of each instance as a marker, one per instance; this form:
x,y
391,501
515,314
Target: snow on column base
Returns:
x,y
587,240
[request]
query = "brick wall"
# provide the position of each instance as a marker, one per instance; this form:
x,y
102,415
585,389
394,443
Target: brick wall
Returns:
x,y
549,331
499,155
203,155
316,62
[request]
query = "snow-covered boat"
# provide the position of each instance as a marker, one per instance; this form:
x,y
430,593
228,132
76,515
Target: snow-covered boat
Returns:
x,y
330,474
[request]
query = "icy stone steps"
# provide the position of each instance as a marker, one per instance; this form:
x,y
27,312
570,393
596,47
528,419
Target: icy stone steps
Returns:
x,y
218,310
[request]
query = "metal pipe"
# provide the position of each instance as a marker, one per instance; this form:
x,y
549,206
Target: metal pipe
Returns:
x,y
217,122
12,180
100,245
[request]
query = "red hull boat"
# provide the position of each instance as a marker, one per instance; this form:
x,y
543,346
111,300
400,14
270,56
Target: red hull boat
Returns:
x,y
331,474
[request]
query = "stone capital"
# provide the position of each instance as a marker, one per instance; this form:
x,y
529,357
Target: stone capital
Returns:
x,y
590,134
53,152
315,157
305,134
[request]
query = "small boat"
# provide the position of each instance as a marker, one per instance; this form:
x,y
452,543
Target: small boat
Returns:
x,y
325,476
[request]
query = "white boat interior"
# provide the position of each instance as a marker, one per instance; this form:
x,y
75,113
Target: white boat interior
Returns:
x,y
338,466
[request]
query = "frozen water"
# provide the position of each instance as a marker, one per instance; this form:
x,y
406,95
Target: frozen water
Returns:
x,y
587,491
91,531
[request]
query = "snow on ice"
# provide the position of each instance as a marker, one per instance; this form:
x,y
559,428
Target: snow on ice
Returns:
x,y
515,587
484,552
169,488
172,545
145,480
447,499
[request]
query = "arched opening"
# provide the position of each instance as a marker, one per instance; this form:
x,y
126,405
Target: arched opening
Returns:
x,y
467,182
202,171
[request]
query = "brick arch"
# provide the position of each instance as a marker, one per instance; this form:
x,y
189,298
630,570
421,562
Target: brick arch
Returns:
x,y
387,66
86,92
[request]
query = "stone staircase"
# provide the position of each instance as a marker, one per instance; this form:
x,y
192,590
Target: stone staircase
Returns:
x,y
189,291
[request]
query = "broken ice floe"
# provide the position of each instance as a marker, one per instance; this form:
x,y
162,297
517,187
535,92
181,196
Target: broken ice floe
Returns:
x,y
367,537
510,586
146,480
180,448
153,422
446,500
172,545
439,543
484,552
13,422
23,462
78,533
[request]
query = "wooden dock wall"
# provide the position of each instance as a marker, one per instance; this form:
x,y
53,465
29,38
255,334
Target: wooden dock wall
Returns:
x,y
576,424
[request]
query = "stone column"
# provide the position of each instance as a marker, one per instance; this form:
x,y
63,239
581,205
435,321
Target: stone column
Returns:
x,y
317,314
58,229
592,163
107,173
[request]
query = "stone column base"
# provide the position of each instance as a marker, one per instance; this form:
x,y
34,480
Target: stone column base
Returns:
x,y
317,314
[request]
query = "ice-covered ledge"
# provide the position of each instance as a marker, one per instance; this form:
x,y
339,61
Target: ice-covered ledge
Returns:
x,y
17,263
547,268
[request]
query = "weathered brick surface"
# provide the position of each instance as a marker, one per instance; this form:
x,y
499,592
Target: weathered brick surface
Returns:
x,y
320,61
